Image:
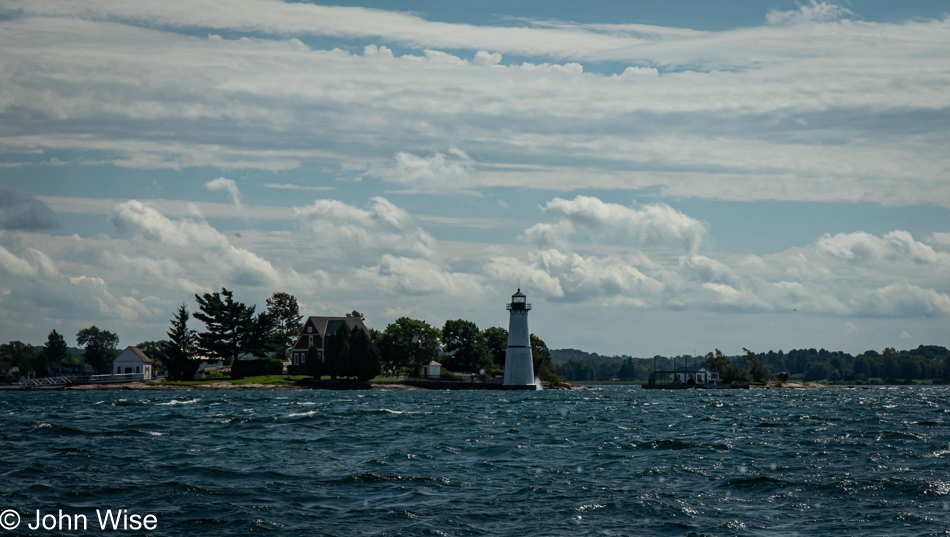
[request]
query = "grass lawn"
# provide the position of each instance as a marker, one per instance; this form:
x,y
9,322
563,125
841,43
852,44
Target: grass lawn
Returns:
x,y
274,380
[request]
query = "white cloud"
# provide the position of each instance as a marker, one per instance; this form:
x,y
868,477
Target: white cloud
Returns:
x,y
194,238
486,59
896,246
718,121
14,265
652,224
440,173
815,11
408,276
904,300
226,184
383,226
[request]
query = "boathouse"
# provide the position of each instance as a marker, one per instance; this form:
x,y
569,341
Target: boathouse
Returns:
x,y
133,362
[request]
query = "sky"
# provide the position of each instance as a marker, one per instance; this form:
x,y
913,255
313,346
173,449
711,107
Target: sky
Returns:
x,y
658,177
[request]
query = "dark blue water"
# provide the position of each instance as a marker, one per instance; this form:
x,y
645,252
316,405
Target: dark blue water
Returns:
x,y
610,461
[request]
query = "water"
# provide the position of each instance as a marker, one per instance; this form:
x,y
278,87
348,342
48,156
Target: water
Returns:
x,y
609,461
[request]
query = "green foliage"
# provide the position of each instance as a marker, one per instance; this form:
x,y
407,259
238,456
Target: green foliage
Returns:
x,y
819,371
759,371
336,353
156,351
445,374
496,339
314,364
541,356
364,355
927,362
55,348
409,343
467,345
20,355
101,347
231,328
285,311
180,348
255,368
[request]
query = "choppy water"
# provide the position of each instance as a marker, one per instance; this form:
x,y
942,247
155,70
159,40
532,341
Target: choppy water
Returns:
x,y
609,461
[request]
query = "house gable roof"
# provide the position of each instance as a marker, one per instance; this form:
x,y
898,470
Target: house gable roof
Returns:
x,y
130,352
329,325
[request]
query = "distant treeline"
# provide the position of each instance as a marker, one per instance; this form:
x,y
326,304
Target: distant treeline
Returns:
x,y
926,362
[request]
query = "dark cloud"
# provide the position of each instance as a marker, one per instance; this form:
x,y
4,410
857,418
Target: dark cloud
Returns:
x,y
23,212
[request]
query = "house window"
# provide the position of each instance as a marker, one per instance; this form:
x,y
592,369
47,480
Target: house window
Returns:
x,y
310,343
309,329
296,359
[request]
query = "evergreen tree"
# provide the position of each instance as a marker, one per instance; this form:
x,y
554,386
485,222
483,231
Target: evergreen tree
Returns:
x,y
336,353
627,370
285,311
180,349
55,348
232,329
101,347
364,355
314,365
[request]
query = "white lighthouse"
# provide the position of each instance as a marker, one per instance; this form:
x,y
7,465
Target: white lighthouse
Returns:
x,y
519,369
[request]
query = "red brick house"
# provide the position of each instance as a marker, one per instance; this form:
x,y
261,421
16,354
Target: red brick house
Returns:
x,y
313,333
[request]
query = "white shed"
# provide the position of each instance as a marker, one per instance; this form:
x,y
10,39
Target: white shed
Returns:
x,y
431,370
134,364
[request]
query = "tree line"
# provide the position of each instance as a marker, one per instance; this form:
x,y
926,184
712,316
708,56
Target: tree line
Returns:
x,y
233,329
926,362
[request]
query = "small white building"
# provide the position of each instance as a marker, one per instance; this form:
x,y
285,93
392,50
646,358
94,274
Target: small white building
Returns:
x,y
695,375
134,364
431,370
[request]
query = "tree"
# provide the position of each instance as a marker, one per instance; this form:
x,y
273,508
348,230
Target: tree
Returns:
x,y
156,351
336,353
284,309
232,329
627,371
728,373
364,355
759,371
819,371
356,314
409,342
55,348
314,365
541,356
496,339
180,348
467,345
20,355
101,347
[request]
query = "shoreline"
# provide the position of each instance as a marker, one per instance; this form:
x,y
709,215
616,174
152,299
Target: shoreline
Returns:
x,y
382,386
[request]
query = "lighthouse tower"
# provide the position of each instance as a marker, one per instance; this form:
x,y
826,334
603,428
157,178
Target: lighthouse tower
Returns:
x,y
519,370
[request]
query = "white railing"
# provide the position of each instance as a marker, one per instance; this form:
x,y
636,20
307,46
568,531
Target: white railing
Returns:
x,y
46,381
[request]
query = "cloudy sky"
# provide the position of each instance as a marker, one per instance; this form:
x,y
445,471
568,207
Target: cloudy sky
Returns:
x,y
658,177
